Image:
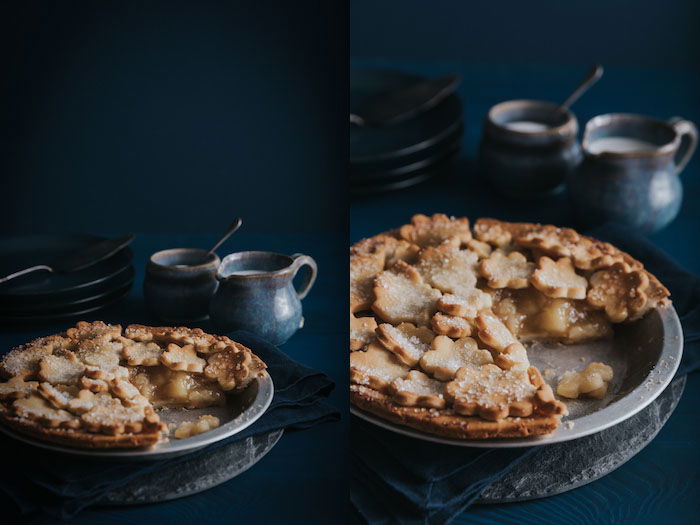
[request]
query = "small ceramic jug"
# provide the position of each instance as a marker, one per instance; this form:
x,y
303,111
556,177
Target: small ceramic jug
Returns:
x,y
630,170
256,293
528,148
179,284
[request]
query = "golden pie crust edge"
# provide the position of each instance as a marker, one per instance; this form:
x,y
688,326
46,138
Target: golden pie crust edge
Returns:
x,y
443,423
75,438
88,440
440,421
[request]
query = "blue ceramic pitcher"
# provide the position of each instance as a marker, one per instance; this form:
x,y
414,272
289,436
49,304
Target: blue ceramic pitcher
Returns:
x,y
256,293
629,173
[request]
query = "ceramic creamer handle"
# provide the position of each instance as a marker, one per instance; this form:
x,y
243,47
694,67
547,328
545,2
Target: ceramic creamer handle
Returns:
x,y
304,260
684,128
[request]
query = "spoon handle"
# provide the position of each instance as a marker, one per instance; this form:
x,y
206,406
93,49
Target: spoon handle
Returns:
x,y
231,230
591,78
25,272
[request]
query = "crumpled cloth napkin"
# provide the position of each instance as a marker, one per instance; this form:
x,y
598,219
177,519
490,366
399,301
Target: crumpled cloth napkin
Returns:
x,y
397,479
62,486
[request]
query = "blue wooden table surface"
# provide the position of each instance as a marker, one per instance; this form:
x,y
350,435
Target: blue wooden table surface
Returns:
x,y
661,484
304,478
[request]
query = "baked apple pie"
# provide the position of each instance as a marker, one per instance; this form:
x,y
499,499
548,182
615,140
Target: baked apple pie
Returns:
x,y
441,312
99,386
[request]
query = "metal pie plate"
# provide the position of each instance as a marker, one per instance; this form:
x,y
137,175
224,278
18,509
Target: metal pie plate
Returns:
x,y
644,356
241,411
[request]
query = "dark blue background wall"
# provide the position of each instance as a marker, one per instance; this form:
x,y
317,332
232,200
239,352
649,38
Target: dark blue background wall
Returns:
x,y
617,32
173,116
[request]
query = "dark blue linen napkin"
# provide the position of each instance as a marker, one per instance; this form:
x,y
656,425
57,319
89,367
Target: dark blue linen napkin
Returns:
x,y
61,485
397,479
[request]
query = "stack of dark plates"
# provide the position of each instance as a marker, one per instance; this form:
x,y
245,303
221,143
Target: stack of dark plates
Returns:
x,y
399,155
42,295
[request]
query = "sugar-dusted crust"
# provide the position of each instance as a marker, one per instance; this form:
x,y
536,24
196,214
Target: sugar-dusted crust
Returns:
x,y
44,407
76,438
594,276
588,253
443,422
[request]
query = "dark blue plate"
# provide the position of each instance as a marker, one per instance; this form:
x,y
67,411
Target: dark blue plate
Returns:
x,y
411,179
123,279
70,312
372,144
367,173
18,252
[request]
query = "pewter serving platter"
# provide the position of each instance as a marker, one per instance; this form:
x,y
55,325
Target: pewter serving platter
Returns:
x,y
644,356
241,411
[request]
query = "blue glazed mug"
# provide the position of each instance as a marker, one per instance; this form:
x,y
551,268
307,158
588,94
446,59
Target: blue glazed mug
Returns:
x,y
630,171
256,293
528,147
179,284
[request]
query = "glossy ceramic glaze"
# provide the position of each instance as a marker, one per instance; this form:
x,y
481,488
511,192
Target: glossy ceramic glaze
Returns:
x,y
640,188
179,283
532,160
264,302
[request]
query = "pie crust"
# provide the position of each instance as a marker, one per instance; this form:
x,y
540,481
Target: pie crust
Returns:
x,y
98,386
451,307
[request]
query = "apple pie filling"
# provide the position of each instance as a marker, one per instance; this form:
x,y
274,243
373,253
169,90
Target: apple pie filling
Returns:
x,y
530,315
173,388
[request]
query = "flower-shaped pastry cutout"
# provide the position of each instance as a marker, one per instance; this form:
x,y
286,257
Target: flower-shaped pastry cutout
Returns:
x,y
480,248
467,305
553,241
24,362
620,290
402,296
38,409
65,368
58,398
448,268
491,392
493,332
593,255
182,358
559,279
361,331
375,367
17,387
233,367
506,271
363,269
115,419
406,341
493,232
417,389
425,230
447,356
450,325
140,353
86,400
512,358
100,353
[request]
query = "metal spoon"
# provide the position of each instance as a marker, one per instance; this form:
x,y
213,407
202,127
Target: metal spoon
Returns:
x,y
78,260
231,230
591,78
402,104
